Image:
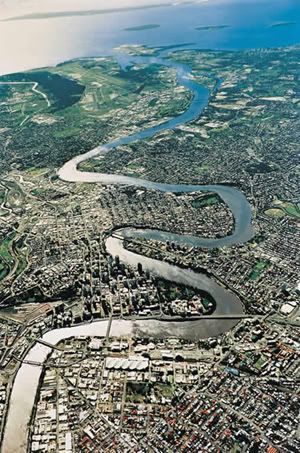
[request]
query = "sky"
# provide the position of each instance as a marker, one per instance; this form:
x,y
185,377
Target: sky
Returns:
x,y
31,43
10,8
35,43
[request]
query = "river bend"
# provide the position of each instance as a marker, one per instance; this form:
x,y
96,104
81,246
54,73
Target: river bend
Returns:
x,y
27,378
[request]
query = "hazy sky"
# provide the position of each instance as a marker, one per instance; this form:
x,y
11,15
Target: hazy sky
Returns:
x,y
33,43
9,8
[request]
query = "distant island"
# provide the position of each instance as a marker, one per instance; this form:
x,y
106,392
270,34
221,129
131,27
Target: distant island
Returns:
x,y
282,24
211,27
142,27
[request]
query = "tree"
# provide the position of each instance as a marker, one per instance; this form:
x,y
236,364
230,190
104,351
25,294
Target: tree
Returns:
x,y
140,268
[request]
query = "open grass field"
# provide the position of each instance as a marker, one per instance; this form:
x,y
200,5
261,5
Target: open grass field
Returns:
x,y
282,208
258,269
207,200
6,258
275,213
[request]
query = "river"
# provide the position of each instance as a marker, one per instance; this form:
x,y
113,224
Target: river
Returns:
x,y
247,29
235,200
27,378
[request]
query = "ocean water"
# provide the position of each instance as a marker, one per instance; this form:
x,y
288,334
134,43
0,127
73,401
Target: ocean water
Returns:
x,y
32,43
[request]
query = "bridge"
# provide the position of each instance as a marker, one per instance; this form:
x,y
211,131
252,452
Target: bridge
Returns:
x,y
49,345
194,318
31,362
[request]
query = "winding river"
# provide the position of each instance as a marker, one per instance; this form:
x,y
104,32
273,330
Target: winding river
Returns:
x,y
27,378
235,200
